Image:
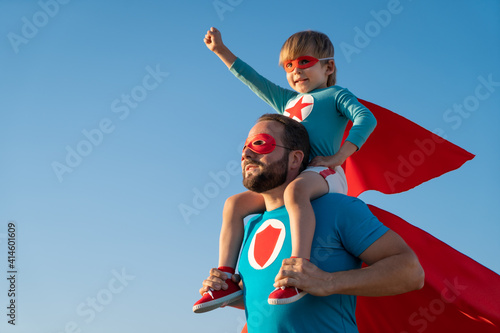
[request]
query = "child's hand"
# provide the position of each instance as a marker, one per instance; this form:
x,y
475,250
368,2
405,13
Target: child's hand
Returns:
x,y
213,40
326,161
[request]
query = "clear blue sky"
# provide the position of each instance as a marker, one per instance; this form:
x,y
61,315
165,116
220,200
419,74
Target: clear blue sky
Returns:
x,y
114,116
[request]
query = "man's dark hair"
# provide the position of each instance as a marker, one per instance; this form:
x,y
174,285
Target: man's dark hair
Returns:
x,y
294,137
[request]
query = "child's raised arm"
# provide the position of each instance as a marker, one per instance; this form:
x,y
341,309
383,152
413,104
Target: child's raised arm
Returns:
x,y
213,41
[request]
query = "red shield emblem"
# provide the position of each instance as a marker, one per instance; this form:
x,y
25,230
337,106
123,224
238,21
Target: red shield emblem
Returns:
x,y
266,244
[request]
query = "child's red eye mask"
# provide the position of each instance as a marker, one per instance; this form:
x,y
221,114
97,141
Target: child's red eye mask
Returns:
x,y
301,62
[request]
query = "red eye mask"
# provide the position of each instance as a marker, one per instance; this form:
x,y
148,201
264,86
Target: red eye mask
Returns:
x,y
301,62
261,143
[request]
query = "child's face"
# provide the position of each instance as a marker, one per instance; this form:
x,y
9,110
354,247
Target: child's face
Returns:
x,y
304,80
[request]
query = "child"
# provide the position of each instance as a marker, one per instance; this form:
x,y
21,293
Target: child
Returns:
x,y
324,109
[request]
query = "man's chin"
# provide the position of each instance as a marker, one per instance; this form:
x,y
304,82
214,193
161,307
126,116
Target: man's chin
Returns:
x,y
260,180
249,181
261,184
250,173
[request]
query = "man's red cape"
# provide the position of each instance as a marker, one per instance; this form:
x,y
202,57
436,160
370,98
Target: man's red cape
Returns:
x,y
459,295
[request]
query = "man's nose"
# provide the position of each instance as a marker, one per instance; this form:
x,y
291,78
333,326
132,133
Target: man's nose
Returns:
x,y
247,152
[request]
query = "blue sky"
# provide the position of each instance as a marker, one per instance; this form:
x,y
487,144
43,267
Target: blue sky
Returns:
x,y
115,118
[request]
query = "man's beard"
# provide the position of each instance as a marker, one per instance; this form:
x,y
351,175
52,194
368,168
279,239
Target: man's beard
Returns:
x,y
271,176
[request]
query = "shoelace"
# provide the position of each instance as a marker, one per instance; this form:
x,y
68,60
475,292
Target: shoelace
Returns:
x,y
210,293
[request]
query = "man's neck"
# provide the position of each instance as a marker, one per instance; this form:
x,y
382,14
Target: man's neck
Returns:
x,y
273,202
274,198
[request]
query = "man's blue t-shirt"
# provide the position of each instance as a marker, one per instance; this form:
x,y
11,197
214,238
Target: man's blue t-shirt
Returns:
x,y
345,227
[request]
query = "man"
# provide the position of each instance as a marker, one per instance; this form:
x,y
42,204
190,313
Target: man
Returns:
x,y
346,235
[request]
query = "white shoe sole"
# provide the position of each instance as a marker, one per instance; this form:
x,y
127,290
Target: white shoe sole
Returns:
x,y
217,303
281,301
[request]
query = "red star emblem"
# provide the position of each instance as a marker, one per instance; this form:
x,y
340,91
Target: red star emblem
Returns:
x,y
296,110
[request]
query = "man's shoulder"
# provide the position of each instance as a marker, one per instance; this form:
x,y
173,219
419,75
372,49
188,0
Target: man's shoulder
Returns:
x,y
328,204
336,199
336,204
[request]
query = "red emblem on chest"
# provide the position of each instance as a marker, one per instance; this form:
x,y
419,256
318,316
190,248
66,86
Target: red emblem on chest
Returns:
x,y
300,109
266,244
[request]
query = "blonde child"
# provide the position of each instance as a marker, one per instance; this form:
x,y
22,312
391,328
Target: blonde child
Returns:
x,y
324,109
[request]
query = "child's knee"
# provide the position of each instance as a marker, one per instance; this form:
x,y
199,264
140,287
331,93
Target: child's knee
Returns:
x,y
243,204
296,191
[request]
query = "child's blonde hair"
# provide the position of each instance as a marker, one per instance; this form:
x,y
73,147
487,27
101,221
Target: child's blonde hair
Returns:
x,y
315,43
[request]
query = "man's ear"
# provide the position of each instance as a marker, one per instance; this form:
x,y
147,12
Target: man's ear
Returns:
x,y
295,159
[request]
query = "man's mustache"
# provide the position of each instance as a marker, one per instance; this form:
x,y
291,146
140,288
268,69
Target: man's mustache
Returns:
x,y
251,161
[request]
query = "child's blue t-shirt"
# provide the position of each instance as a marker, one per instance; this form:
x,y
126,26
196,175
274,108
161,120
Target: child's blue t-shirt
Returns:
x,y
324,112
345,228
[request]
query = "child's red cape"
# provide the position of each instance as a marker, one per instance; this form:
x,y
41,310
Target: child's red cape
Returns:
x,y
399,155
459,295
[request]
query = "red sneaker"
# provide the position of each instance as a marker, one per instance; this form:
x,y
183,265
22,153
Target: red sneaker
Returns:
x,y
285,295
213,299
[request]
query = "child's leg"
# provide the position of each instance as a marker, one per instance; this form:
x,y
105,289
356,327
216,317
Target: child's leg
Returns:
x,y
235,210
308,186
298,195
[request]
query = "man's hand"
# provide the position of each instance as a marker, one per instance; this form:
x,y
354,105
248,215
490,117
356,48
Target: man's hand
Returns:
x,y
393,268
217,279
300,273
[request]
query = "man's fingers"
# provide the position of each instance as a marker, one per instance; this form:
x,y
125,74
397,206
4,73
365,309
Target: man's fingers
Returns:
x,y
286,282
286,273
216,273
215,281
293,264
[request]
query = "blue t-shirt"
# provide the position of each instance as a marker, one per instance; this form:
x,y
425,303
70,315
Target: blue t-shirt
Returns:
x,y
324,112
345,227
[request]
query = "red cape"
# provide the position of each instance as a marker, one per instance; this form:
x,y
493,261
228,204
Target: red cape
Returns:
x,y
459,295
399,155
